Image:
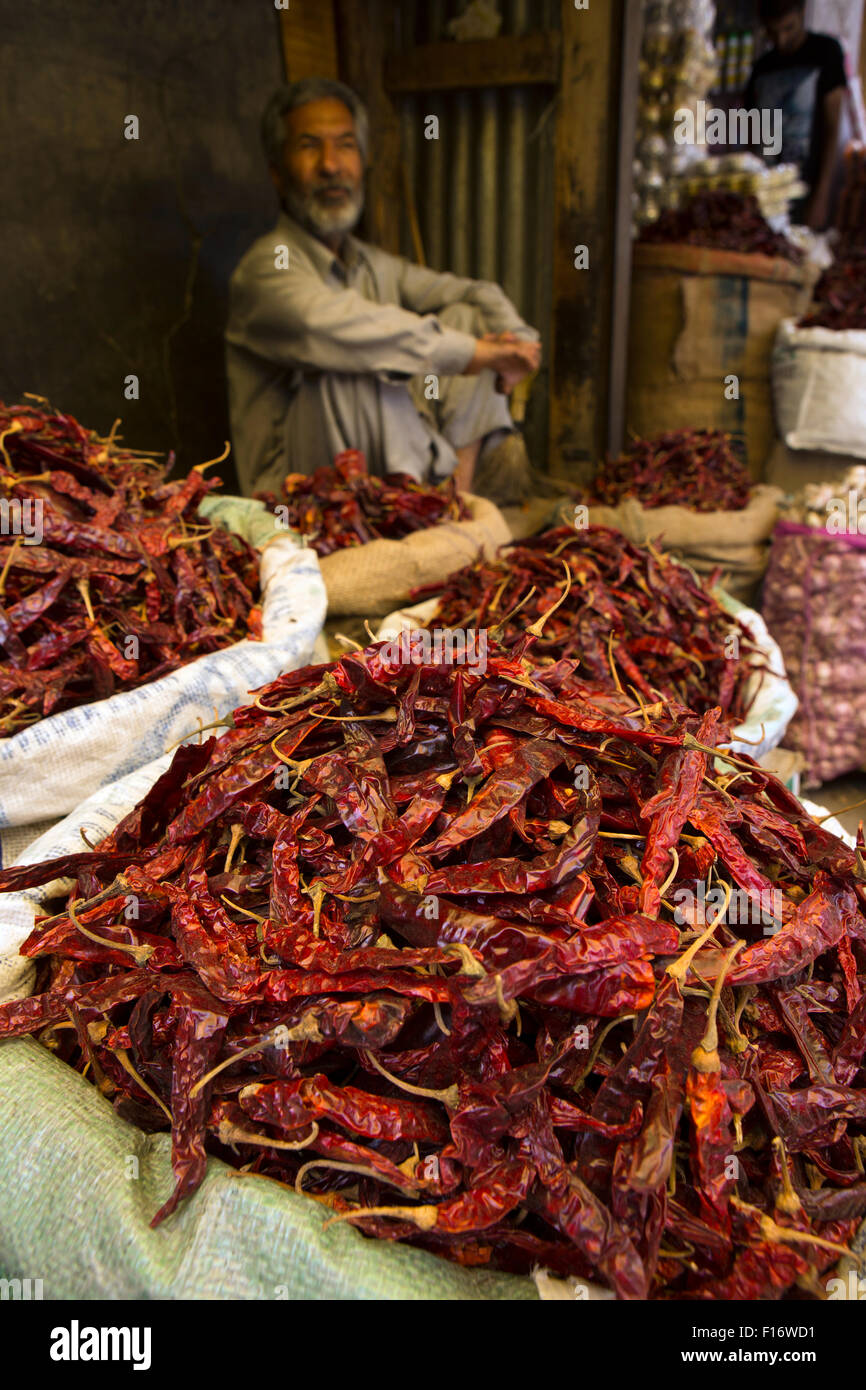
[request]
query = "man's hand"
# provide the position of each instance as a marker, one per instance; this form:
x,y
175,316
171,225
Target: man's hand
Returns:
x,y
510,357
818,210
818,207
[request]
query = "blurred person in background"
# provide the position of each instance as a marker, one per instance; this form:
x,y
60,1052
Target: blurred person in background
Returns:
x,y
803,76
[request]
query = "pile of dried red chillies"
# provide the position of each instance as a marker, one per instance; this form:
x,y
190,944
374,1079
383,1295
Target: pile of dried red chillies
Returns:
x,y
344,506
112,578
407,938
724,222
839,298
631,619
698,469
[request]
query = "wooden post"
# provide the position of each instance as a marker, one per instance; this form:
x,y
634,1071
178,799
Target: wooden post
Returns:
x,y
309,39
632,34
362,33
584,195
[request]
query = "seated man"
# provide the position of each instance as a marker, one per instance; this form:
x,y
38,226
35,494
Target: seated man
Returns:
x,y
334,344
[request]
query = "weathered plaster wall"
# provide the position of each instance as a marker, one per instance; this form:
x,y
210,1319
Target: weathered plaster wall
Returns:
x,y
115,254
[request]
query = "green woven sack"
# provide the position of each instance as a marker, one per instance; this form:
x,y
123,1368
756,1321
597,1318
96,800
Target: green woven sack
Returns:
x,y
78,1188
247,517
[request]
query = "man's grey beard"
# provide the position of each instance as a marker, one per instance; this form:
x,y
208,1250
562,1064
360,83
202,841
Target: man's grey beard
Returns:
x,y
322,221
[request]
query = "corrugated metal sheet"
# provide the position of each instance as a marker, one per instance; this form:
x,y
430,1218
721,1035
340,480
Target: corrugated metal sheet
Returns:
x,y
484,189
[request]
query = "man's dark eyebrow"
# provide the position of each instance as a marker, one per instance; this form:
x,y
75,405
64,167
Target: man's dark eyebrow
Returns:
x,y
312,135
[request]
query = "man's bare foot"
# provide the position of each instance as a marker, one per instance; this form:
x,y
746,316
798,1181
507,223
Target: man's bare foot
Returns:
x,y
503,472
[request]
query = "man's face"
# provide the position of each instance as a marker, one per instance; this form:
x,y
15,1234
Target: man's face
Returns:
x,y
321,180
787,34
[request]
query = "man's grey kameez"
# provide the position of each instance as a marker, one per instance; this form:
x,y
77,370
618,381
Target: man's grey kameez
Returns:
x,y
324,354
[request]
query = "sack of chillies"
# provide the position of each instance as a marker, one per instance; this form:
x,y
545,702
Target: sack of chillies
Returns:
x,y
722,221
697,469
630,617
429,944
121,582
378,538
345,506
689,493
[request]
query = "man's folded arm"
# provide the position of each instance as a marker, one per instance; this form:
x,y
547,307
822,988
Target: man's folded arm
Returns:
x,y
428,291
297,321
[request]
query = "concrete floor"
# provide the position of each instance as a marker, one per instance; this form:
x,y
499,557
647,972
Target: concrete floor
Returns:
x,y
844,791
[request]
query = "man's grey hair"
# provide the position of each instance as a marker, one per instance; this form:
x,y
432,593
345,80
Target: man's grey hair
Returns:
x,y
294,94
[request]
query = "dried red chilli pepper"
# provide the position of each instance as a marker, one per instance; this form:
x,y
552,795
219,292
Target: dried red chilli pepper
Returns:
x,y
725,221
810,1041
413,1178
200,1027
292,1104
312,1000
680,779
839,297
815,925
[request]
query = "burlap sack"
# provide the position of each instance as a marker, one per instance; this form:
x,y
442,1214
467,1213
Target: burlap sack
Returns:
x,y
697,316
371,580
819,388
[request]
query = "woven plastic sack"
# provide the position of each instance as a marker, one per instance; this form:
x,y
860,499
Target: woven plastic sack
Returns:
x,y
63,1149
64,1153
771,700
370,580
97,815
47,768
819,388
813,605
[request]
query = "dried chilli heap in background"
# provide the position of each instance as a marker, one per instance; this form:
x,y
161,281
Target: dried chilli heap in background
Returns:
x,y
123,554
723,222
626,615
344,506
435,946
697,469
839,297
